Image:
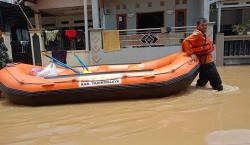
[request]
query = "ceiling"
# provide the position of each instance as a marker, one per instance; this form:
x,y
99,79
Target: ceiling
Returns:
x,y
62,11
66,11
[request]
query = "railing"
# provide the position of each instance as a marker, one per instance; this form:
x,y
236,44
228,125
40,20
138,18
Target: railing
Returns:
x,y
232,49
153,37
63,43
237,46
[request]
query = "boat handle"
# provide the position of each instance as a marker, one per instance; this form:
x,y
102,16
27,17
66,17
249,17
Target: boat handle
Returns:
x,y
74,80
48,85
149,76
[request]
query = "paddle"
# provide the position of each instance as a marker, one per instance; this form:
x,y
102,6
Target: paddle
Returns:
x,y
61,63
84,66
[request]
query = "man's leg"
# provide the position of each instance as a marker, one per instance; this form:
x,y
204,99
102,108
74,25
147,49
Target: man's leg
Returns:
x,y
214,78
203,79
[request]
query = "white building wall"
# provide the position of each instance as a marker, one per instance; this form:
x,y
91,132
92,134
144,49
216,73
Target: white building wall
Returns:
x,y
136,55
194,11
131,11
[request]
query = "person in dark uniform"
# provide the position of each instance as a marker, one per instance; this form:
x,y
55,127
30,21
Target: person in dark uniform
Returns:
x,y
200,47
4,57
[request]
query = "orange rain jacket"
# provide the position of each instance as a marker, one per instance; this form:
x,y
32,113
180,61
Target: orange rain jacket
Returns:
x,y
199,44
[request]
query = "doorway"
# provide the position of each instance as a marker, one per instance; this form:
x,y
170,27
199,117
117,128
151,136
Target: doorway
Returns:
x,y
180,18
121,20
150,20
20,41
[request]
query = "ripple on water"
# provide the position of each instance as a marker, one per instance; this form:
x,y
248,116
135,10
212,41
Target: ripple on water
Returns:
x,y
229,137
207,89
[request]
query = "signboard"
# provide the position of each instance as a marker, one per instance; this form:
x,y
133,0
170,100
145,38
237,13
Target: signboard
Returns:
x,y
100,80
99,83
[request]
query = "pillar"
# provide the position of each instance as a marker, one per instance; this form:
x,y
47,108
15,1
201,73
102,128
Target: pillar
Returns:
x,y
7,40
218,4
220,49
95,14
102,14
96,45
210,30
1,18
38,21
85,5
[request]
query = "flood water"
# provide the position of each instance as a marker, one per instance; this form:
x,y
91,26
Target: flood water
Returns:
x,y
196,116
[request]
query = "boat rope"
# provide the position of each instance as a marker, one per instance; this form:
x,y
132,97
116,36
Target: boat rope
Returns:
x,y
72,79
21,81
190,62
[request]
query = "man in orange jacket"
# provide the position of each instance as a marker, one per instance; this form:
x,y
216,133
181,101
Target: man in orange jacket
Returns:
x,y
198,45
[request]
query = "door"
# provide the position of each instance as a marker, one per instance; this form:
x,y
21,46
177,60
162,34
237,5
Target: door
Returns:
x,y
121,20
20,44
181,20
180,17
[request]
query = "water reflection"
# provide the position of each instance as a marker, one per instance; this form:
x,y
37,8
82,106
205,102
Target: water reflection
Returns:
x,y
229,137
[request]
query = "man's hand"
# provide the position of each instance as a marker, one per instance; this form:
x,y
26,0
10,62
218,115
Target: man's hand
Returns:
x,y
194,57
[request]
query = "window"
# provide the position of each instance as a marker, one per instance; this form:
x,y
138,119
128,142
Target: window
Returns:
x,y
162,3
150,4
150,20
118,7
124,6
78,21
48,25
65,22
177,2
107,11
137,5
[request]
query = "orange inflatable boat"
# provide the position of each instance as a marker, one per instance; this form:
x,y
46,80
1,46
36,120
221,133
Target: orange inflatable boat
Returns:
x,y
156,78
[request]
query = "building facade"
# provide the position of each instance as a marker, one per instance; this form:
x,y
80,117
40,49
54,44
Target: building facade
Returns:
x,y
124,16
82,15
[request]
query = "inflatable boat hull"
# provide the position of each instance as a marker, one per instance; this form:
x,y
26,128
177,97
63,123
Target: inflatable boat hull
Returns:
x,y
140,90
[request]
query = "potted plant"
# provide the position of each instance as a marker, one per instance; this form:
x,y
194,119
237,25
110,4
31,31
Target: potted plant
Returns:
x,y
239,29
248,27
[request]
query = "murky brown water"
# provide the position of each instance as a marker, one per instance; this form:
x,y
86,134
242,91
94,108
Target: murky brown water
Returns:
x,y
192,117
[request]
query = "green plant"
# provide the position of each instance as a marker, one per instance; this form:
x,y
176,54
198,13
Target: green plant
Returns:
x,y
248,25
239,28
